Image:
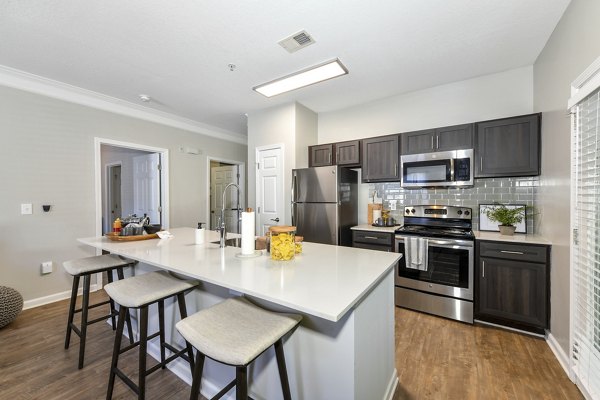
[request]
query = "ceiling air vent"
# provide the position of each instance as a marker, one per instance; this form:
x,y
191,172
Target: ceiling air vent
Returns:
x,y
297,41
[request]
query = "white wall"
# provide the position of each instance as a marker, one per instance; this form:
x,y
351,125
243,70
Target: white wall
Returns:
x,y
498,95
292,125
47,150
573,46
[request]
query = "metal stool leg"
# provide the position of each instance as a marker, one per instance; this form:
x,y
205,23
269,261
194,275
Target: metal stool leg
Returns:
x,y
84,317
241,383
128,315
197,376
116,350
143,328
72,310
161,330
285,385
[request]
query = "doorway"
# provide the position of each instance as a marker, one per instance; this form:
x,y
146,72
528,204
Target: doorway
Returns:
x,y
130,179
221,173
270,202
113,195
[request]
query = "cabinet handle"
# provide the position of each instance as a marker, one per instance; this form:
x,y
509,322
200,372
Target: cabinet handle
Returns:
x,y
329,158
437,142
432,143
480,164
511,252
371,237
483,269
396,169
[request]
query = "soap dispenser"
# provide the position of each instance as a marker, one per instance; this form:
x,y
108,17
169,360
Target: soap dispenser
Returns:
x,y
200,233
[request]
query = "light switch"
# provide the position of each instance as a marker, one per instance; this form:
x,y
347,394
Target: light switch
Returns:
x,y
26,208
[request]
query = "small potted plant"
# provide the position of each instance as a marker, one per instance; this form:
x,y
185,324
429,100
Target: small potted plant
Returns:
x,y
506,217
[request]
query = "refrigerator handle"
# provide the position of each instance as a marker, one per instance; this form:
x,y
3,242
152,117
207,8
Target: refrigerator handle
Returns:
x,y
293,199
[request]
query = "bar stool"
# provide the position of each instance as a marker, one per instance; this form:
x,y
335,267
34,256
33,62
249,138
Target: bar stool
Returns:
x,y
140,292
86,267
235,332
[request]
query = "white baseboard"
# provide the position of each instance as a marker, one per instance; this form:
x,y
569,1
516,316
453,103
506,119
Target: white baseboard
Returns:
x,y
40,301
560,355
391,389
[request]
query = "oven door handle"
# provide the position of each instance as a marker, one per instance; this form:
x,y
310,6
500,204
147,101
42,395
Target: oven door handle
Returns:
x,y
438,242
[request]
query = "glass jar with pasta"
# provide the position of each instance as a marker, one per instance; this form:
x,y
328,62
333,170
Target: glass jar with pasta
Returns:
x,y
283,245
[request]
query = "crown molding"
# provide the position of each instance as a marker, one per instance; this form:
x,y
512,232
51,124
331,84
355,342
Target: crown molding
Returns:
x,y
17,79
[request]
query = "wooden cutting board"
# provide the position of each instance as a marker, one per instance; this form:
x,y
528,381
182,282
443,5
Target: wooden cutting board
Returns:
x,y
371,207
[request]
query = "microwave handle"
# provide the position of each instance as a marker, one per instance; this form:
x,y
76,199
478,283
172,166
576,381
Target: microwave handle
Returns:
x,y
452,170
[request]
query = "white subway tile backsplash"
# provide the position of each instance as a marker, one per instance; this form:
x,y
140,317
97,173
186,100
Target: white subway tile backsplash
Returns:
x,y
485,191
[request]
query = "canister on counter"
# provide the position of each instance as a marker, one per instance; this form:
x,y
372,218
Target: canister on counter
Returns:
x,y
283,244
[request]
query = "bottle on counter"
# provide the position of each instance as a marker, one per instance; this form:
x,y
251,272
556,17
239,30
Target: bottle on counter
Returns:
x,y
199,237
117,226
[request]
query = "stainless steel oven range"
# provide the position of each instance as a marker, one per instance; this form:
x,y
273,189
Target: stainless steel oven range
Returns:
x,y
436,273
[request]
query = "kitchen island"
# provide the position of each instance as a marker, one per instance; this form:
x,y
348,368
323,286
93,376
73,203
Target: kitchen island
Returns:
x,y
344,347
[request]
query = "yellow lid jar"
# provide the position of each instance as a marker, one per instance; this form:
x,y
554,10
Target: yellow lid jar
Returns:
x,y
283,245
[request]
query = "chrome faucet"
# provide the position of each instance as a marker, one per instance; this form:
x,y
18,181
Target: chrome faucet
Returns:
x,y
221,221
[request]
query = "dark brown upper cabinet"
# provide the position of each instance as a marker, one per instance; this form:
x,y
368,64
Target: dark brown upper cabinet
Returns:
x,y
381,159
441,139
508,147
348,153
321,155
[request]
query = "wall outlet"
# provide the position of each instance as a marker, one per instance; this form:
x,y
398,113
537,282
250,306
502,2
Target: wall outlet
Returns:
x,y
392,205
47,267
26,209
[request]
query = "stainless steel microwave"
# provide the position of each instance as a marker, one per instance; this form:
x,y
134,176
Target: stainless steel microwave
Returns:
x,y
446,168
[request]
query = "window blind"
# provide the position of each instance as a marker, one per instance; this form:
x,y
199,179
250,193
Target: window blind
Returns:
x,y
586,247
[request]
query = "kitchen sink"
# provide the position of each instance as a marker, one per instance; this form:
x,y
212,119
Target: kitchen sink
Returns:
x,y
233,242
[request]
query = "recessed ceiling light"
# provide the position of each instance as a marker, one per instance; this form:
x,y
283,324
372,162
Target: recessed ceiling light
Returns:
x,y
309,76
145,98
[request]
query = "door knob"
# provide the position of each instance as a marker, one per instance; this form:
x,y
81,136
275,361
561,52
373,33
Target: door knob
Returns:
x,y
275,219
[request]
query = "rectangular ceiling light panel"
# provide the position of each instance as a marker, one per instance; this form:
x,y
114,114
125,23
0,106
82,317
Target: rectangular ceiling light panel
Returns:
x,y
312,75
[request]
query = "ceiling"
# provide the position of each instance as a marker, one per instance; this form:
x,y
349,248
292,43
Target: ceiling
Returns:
x,y
178,52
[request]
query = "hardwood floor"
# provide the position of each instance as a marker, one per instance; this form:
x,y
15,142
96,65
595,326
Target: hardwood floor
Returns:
x,y
436,359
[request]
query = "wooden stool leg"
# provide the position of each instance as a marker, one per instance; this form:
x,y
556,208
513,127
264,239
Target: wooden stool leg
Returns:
x,y
241,383
183,314
197,376
285,385
72,309
112,302
128,315
161,330
143,329
116,349
84,317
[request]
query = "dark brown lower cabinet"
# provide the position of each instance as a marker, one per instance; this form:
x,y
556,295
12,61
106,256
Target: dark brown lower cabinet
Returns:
x,y
513,286
373,240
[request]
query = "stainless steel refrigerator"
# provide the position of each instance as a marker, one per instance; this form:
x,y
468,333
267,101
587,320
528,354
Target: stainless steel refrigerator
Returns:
x,y
325,204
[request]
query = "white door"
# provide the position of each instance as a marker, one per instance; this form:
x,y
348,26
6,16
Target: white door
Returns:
x,y
269,189
219,178
146,186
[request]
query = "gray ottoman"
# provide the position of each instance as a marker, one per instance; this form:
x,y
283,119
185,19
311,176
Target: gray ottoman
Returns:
x,y
11,304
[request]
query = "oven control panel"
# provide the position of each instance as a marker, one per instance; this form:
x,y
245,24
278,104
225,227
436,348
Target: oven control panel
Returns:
x,y
437,211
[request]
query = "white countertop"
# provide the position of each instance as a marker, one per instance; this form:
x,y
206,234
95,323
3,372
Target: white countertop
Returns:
x,y
325,281
516,238
371,228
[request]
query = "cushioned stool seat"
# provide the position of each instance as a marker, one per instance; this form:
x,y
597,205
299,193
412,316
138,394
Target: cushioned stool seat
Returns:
x,y
146,288
140,292
95,264
86,267
236,332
